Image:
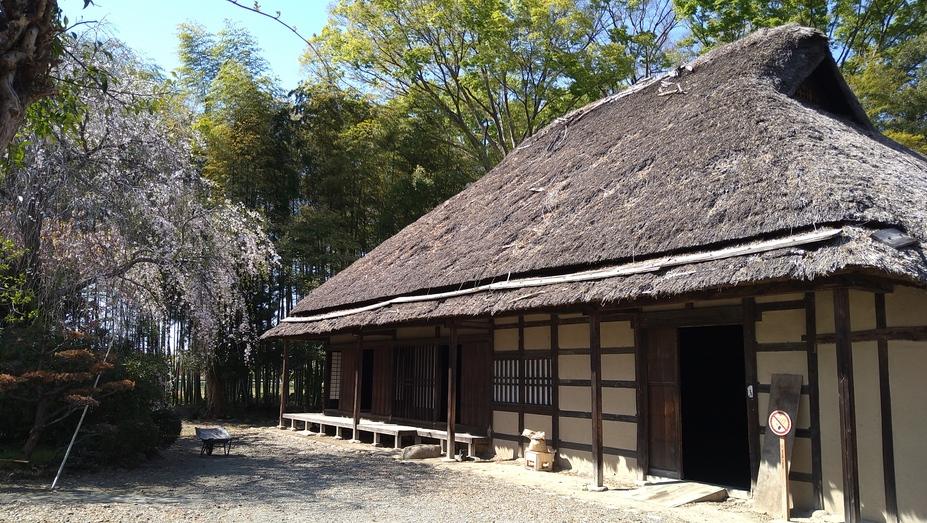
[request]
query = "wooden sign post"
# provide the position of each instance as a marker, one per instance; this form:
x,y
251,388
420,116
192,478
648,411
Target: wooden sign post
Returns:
x,y
780,424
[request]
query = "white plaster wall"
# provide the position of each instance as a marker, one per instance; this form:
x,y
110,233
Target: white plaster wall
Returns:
x,y
505,339
616,334
907,370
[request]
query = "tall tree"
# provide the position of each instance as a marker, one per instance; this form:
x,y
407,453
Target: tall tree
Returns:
x,y
498,70
28,50
202,55
113,221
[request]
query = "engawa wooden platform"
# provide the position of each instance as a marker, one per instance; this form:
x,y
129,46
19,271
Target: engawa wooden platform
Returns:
x,y
379,428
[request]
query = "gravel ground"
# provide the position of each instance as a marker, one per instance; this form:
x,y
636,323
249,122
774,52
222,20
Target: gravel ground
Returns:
x,y
276,475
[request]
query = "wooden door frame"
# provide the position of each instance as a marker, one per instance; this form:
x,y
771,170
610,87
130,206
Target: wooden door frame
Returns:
x,y
742,315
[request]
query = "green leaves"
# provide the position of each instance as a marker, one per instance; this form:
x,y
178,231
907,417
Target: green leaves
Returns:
x,y
499,70
17,304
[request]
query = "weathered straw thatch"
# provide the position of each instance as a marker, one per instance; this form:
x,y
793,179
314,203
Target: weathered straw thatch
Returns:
x,y
757,139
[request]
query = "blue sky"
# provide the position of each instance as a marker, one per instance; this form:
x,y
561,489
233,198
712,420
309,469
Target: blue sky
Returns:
x,y
150,27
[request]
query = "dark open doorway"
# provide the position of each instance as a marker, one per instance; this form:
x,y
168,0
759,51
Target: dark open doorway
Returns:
x,y
715,445
366,400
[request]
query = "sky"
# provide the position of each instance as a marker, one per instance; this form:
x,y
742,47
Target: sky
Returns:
x,y
150,27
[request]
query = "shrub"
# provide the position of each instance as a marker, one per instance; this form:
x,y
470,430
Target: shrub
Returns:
x,y
168,422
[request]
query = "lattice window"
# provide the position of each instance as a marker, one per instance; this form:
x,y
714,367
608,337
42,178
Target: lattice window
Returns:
x,y
414,380
334,392
505,381
538,382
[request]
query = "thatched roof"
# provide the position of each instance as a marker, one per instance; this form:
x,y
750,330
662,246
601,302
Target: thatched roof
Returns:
x,y
757,139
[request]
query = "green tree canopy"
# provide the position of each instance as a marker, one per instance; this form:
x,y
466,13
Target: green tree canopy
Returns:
x,y
498,70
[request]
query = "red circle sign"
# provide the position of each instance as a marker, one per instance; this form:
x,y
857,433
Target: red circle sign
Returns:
x,y
780,423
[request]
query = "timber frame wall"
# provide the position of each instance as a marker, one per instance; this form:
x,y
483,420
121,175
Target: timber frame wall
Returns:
x,y
783,333
861,349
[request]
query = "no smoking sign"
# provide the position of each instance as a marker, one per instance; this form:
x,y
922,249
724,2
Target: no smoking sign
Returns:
x,y
780,423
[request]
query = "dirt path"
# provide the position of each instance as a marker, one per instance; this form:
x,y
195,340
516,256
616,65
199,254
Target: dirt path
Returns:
x,y
278,475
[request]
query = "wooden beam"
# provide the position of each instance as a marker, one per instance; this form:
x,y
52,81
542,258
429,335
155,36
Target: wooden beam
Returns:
x,y
452,391
521,381
750,395
555,379
284,384
814,401
778,306
643,412
885,401
916,333
595,367
436,376
847,405
721,315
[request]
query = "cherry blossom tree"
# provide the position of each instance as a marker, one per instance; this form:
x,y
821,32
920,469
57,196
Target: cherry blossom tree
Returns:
x,y
113,220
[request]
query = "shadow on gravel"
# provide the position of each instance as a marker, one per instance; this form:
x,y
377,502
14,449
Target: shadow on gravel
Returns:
x,y
270,468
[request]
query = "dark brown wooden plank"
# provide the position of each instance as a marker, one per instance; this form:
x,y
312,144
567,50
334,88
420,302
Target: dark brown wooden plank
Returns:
x,y
643,416
665,441
555,376
452,390
778,306
722,315
914,333
847,405
814,401
885,402
750,377
382,380
475,380
595,368
521,381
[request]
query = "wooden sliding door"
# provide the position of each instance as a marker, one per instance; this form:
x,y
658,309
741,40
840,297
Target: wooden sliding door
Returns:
x,y
665,438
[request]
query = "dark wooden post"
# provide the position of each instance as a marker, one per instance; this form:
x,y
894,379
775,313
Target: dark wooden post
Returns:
x,y
358,362
885,402
750,373
643,410
595,366
522,398
847,405
814,402
284,383
451,391
555,379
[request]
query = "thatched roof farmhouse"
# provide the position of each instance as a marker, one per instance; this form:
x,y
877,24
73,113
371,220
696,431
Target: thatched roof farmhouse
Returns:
x,y
744,196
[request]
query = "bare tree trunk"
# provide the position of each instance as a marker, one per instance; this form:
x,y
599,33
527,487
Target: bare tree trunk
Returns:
x,y
38,427
215,391
28,29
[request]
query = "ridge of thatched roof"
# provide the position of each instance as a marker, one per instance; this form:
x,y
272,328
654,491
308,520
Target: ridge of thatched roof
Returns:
x,y
755,139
